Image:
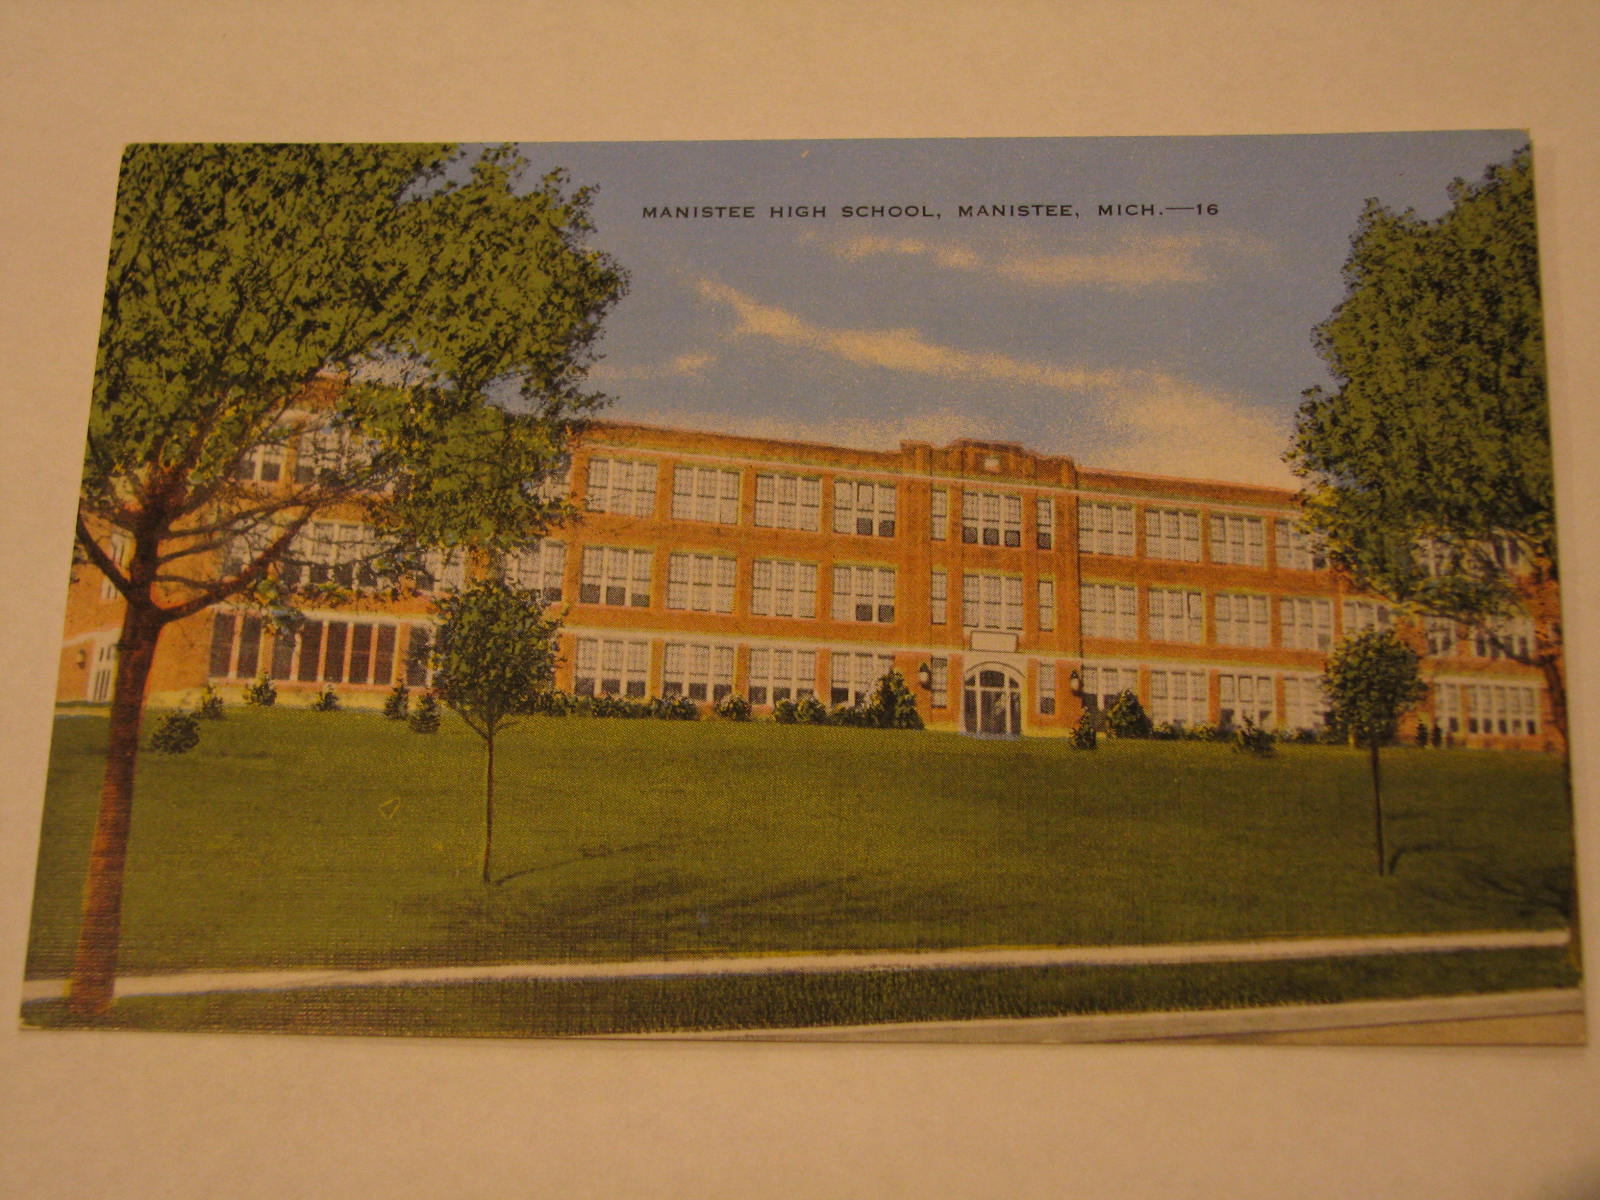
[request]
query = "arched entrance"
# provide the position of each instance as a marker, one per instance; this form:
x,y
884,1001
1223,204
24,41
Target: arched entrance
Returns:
x,y
991,702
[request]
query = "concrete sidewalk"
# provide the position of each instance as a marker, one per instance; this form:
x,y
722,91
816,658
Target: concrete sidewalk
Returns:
x,y
1279,949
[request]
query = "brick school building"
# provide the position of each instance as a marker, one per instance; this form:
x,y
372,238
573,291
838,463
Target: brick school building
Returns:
x,y
1012,590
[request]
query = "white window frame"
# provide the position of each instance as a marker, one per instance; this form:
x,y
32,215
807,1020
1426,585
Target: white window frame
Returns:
x,y
781,587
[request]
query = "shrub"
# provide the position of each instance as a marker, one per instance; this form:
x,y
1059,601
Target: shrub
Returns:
x,y
851,716
326,701
733,707
261,693
178,733
210,707
397,704
1127,717
674,708
1250,738
892,705
1086,734
1201,731
425,718
785,712
810,711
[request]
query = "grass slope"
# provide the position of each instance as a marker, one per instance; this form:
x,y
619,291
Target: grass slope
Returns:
x,y
296,839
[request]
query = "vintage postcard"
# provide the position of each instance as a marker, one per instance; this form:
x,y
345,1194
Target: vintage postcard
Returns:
x,y
984,590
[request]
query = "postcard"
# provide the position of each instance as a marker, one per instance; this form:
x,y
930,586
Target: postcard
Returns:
x,y
979,590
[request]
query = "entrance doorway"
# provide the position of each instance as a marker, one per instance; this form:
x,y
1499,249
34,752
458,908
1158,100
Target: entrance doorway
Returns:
x,y
992,703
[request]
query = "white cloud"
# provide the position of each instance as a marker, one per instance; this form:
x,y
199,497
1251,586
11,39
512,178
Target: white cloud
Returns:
x,y
691,365
907,350
1135,261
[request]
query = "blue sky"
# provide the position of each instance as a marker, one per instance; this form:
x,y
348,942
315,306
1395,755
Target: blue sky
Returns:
x,y
1176,344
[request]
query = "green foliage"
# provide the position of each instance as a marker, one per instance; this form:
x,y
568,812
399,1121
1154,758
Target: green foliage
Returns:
x,y
261,694
733,707
178,733
1370,681
1126,717
210,706
494,654
425,717
892,705
784,712
1431,456
397,704
810,711
674,708
1086,733
1251,739
326,700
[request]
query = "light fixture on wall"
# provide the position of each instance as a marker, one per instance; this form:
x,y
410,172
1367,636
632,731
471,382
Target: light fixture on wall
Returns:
x,y
925,676
1075,683
83,658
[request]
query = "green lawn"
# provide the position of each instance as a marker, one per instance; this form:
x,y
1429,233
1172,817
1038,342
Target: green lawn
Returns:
x,y
300,839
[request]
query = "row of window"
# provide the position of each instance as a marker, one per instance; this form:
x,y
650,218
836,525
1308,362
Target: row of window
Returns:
x,y
1183,697
245,647
1488,708
711,494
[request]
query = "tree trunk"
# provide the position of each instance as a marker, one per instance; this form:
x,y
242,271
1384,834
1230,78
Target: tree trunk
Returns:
x,y
94,965
1377,809
488,805
1542,599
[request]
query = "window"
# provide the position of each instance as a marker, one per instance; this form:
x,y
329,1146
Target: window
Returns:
x,y
1241,620
1047,689
1102,685
611,667
1441,634
442,569
1447,707
1366,616
117,548
705,494
1105,528
781,674
419,667
1109,610
1305,705
696,670
1177,616
1511,638
264,463
325,452
788,502
1307,623
1238,540
863,508
617,485
1298,549
939,596
863,594
356,652
939,682
779,588
341,552
699,582
991,519
1178,697
1244,696
538,569
939,514
991,601
1047,604
615,576
852,677
1044,516
1170,533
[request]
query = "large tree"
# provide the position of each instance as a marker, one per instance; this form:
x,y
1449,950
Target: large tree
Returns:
x,y
413,321
1428,464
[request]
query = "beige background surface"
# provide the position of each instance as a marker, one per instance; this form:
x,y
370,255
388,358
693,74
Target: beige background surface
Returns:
x,y
149,1115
